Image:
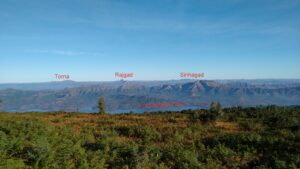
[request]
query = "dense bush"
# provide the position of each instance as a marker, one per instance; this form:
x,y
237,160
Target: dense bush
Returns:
x,y
259,137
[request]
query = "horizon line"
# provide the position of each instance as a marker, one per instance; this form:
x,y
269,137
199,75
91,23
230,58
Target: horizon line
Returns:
x,y
127,80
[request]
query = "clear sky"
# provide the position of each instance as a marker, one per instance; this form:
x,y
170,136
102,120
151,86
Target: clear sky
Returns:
x,y
90,40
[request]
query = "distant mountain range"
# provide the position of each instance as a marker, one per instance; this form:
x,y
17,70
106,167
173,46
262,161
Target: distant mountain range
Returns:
x,y
147,95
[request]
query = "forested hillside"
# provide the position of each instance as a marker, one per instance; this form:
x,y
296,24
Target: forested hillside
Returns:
x,y
258,137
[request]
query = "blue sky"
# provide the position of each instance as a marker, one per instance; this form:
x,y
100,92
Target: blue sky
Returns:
x,y
156,39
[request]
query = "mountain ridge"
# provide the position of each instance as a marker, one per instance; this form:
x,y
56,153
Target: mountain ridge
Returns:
x,y
131,95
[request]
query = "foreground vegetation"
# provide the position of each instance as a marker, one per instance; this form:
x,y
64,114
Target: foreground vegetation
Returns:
x,y
261,137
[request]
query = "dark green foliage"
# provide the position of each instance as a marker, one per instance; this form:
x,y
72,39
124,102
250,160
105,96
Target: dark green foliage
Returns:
x,y
178,156
101,105
39,146
145,133
219,109
210,116
264,137
215,111
1,102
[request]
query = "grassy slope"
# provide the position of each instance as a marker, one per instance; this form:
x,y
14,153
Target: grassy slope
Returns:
x,y
172,140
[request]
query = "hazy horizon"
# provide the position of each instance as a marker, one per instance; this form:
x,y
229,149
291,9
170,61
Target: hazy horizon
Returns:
x,y
137,80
